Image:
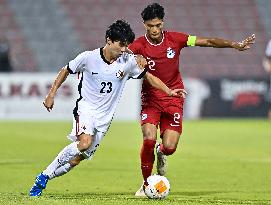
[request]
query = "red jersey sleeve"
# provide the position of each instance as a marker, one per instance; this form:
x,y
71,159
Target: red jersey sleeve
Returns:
x,y
180,38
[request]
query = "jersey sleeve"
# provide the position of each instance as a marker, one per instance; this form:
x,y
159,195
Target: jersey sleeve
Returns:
x,y
135,71
78,64
183,39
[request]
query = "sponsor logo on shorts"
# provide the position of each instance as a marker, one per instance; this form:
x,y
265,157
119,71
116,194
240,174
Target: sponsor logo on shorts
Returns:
x,y
144,116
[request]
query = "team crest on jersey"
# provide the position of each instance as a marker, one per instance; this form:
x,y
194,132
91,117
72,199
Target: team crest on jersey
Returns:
x,y
170,52
144,116
120,74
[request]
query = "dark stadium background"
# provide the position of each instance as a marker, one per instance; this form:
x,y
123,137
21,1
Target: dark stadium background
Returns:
x,y
44,35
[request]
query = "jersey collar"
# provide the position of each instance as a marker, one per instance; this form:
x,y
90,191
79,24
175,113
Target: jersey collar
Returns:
x,y
158,43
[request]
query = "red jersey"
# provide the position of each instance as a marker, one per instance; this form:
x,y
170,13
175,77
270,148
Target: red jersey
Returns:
x,y
163,62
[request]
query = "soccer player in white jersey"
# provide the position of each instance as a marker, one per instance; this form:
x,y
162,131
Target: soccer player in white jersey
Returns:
x,y
104,72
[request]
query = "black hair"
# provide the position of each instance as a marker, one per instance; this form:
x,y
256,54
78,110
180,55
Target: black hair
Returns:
x,y
153,11
121,31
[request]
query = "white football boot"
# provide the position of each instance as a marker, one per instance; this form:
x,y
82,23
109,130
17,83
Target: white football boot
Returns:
x,y
140,192
161,165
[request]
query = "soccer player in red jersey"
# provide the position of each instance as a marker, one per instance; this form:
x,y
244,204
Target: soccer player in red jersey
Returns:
x,y
162,50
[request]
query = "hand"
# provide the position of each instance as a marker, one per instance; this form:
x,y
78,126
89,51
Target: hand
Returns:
x,y
48,103
245,44
141,61
178,93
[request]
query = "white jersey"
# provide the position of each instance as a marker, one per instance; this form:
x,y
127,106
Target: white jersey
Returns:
x,y
102,83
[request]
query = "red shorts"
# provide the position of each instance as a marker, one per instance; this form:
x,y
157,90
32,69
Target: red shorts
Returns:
x,y
166,116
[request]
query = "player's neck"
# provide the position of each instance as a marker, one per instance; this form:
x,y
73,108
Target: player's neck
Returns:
x,y
155,41
107,55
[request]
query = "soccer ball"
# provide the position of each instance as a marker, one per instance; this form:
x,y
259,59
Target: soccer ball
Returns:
x,y
158,187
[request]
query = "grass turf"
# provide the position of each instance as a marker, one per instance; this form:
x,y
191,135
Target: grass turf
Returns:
x,y
217,162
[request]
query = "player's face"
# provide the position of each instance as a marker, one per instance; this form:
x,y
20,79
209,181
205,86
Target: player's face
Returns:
x,y
154,29
116,49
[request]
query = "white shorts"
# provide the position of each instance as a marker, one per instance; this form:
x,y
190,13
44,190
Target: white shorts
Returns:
x,y
86,124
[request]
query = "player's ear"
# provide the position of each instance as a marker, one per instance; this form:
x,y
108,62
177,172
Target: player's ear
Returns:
x,y
162,24
144,24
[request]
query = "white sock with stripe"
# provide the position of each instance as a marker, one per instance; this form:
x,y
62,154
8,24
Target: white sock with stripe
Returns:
x,y
67,154
61,171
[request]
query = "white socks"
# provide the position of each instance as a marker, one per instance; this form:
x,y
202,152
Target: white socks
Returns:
x,y
62,159
61,171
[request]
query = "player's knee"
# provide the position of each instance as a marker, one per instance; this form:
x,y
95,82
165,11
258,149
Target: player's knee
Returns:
x,y
83,146
84,143
149,134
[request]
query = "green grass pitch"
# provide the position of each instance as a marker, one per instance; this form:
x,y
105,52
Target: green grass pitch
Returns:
x,y
217,162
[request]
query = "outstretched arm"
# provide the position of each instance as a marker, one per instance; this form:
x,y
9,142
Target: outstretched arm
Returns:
x,y
157,83
49,99
222,43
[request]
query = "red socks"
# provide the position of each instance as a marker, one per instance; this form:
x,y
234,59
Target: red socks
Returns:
x,y
167,151
147,158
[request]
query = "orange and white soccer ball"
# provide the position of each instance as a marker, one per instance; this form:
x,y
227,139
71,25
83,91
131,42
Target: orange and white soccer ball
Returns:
x,y
158,187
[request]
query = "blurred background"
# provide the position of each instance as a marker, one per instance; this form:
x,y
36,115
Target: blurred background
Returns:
x,y
39,37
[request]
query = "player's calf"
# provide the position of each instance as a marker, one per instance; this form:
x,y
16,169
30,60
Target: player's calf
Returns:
x,y
74,162
162,152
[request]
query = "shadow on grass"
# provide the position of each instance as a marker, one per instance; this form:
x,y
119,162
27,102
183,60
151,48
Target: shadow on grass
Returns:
x,y
122,195
90,195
